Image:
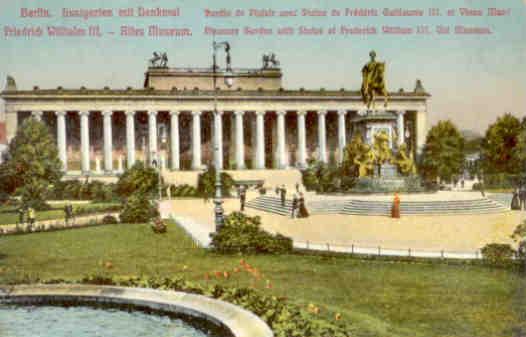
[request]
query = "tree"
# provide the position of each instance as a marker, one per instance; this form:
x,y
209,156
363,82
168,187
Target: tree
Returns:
x,y
138,179
32,165
443,154
499,146
520,149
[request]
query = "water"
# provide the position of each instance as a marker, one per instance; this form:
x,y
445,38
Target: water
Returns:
x,y
50,321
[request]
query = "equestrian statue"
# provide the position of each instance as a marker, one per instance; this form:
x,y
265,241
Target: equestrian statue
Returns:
x,y
373,81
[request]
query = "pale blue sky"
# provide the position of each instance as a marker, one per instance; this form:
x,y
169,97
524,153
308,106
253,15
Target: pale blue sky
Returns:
x,y
472,78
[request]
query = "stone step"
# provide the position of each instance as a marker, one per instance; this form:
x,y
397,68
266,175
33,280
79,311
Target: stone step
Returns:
x,y
370,207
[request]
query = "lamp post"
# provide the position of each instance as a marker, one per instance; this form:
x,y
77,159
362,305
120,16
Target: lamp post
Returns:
x,y
228,77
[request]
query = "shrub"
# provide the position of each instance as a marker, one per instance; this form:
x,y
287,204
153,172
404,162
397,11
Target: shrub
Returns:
x,y
138,209
498,253
206,183
158,226
242,234
141,179
109,220
183,191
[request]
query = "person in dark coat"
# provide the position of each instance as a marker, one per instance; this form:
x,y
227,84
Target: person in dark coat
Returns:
x,y
302,211
242,197
283,195
294,212
515,201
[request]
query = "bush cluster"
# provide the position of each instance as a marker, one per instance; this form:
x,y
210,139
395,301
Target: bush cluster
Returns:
x,y
284,318
242,234
498,254
138,209
77,190
183,191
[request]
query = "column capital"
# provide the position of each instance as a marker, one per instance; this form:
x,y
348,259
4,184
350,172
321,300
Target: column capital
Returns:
x,y
61,113
239,112
83,113
107,113
196,113
401,112
342,112
322,112
301,112
281,112
36,113
152,112
174,112
260,113
129,113
218,112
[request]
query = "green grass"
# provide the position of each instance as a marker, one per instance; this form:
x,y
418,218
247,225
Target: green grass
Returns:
x,y
379,298
9,214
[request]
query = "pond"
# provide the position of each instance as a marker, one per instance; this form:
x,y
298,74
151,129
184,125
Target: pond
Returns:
x,y
83,321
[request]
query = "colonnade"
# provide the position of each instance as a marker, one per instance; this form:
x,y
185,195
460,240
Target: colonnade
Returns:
x,y
281,155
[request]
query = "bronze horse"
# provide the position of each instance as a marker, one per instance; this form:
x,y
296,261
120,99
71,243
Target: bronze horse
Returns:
x,y
373,84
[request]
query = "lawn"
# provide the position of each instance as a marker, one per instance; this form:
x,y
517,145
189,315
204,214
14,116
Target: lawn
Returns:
x,y
9,214
379,298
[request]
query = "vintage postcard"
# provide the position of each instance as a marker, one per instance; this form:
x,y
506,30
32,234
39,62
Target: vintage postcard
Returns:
x,y
267,168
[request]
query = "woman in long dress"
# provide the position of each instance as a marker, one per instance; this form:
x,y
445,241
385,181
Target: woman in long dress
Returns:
x,y
302,212
395,210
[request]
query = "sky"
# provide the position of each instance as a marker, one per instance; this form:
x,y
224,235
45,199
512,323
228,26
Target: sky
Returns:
x,y
473,79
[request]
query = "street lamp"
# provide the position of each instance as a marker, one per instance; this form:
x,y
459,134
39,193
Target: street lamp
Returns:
x,y
229,81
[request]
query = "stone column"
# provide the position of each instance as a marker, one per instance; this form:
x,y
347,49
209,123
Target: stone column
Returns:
x,y
322,138
341,135
281,164
302,141
196,140
240,142
61,139
84,141
218,138
174,139
260,140
152,137
421,131
37,115
400,127
130,138
108,144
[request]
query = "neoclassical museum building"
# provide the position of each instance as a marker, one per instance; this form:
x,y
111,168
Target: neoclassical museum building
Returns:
x,y
171,120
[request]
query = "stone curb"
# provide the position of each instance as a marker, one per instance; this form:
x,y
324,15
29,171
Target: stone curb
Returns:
x,y
240,322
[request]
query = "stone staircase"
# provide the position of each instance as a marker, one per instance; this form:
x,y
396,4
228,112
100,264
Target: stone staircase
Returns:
x,y
382,208
502,198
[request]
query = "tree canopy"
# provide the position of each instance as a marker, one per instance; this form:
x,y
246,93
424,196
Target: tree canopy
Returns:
x,y
443,153
500,151
32,164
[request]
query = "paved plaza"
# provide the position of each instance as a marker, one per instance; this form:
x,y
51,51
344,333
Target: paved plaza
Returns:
x,y
455,233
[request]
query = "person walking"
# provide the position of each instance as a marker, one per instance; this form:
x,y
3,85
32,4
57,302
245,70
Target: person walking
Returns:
x,y
283,194
31,216
395,209
294,212
21,214
242,197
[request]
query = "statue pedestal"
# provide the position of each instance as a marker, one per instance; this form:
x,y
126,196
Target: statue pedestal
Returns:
x,y
388,171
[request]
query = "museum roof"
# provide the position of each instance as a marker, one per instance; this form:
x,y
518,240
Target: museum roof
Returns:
x,y
196,92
